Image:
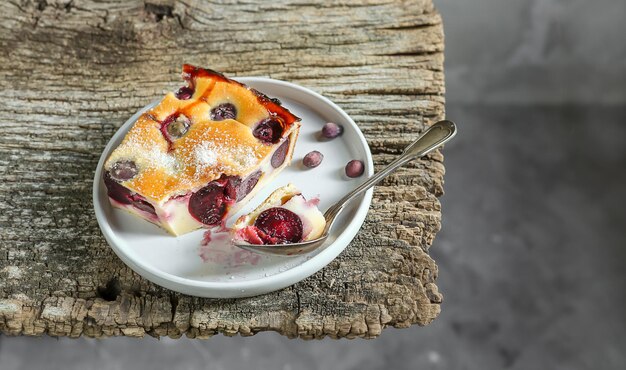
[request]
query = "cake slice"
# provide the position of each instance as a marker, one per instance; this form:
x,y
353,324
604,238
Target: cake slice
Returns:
x,y
201,153
284,217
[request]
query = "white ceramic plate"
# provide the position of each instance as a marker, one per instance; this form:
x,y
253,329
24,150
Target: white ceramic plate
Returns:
x,y
227,272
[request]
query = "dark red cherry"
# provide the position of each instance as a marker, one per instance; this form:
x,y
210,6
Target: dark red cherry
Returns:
x,y
230,189
184,93
144,206
246,186
123,170
354,168
278,158
268,131
331,130
208,204
281,224
312,159
223,111
115,190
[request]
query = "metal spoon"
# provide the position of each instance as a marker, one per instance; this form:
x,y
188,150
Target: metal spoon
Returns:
x,y
435,136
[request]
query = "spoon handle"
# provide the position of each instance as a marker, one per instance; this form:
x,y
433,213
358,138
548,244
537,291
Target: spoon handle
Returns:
x,y
432,138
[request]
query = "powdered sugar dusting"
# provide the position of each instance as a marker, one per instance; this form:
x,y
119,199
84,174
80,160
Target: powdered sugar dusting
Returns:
x,y
206,155
243,156
141,144
222,155
158,159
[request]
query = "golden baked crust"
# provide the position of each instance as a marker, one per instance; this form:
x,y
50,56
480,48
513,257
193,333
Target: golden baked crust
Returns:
x,y
209,149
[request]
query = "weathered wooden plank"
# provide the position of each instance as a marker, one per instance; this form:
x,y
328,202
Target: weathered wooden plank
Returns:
x,y
72,71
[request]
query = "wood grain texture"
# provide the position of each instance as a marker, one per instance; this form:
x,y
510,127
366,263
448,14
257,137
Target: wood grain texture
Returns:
x,y
72,71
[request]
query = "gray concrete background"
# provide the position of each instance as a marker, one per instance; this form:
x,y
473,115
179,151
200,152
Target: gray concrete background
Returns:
x,y
533,246
535,51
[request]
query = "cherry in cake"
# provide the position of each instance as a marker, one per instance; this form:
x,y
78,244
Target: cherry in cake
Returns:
x,y
284,217
201,153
